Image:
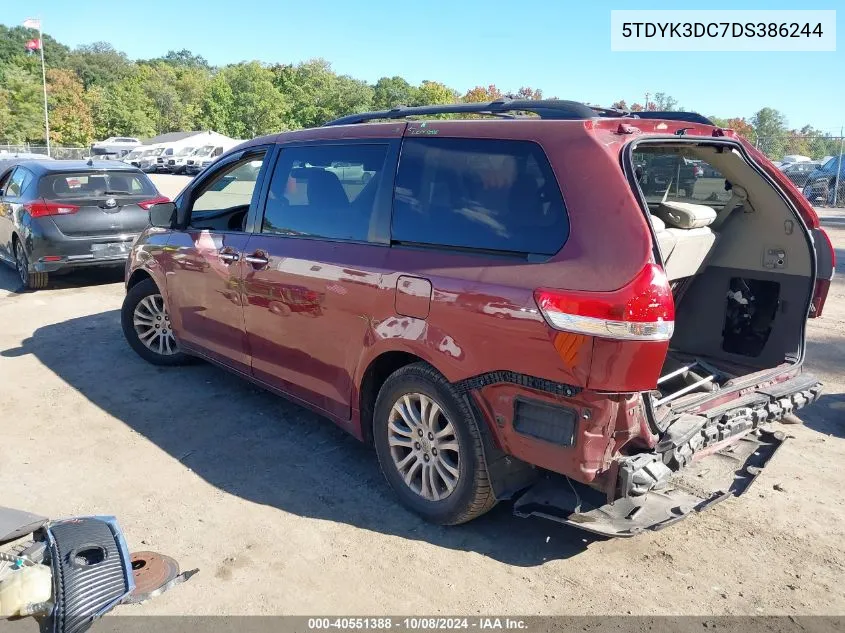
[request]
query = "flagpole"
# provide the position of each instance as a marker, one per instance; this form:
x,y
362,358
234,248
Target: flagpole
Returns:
x,y
44,84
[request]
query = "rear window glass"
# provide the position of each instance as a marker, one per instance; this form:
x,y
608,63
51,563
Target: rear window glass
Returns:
x,y
92,185
663,172
481,194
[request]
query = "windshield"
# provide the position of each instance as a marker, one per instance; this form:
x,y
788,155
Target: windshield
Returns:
x,y
205,150
185,151
88,184
831,164
135,153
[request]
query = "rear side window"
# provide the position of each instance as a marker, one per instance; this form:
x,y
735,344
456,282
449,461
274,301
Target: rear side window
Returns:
x,y
325,191
95,184
20,180
482,194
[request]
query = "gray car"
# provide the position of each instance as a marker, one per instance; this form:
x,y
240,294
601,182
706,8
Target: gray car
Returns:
x,y
60,215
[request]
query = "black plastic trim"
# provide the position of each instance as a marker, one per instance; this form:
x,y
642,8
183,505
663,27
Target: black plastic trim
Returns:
x,y
514,378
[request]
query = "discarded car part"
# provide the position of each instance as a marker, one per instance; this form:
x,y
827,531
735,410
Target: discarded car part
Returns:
x,y
728,472
91,569
22,587
17,523
72,571
154,574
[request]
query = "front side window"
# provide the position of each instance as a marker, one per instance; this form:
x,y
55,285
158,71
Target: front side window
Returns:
x,y
479,194
222,201
325,191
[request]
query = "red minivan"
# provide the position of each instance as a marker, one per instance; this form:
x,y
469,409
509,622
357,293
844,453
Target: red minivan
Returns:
x,y
497,306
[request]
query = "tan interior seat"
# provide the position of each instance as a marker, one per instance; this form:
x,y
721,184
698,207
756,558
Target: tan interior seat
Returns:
x,y
684,237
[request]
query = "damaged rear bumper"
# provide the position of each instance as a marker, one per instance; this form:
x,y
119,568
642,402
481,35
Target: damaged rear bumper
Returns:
x,y
700,460
727,473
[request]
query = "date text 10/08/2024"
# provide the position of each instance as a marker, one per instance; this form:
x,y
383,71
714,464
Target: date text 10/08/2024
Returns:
x,y
416,623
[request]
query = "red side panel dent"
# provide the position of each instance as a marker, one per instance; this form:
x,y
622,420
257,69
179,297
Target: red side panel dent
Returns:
x,y
604,424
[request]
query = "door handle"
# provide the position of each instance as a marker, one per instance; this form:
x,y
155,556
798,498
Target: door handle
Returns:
x,y
257,259
228,257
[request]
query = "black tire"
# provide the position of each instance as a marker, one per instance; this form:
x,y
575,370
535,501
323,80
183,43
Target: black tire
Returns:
x,y
29,280
136,294
472,495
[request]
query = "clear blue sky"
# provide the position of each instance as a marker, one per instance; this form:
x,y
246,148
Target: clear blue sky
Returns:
x,y
559,46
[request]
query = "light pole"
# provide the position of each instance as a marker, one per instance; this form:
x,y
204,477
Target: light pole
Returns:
x,y
35,23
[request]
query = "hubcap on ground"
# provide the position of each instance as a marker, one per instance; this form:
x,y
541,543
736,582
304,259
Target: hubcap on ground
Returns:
x,y
152,323
424,446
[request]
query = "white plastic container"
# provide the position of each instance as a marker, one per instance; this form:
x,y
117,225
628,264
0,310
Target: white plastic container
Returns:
x,y
22,587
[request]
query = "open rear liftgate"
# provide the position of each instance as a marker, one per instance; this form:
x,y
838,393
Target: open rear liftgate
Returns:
x,y
710,465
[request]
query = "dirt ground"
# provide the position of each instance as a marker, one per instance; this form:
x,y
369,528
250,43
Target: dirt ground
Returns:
x,y
283,513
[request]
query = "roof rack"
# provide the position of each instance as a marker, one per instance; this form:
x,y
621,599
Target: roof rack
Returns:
x,y
544,108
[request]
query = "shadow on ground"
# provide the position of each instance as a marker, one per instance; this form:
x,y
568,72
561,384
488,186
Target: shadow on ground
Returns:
x,y
264,449
10,282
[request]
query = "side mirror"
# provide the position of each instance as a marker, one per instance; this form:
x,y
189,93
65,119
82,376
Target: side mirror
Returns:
x,y
163,214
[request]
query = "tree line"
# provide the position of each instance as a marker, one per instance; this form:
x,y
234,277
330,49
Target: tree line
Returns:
x,y
96,91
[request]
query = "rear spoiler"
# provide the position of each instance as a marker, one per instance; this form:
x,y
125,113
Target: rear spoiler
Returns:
x,y
691,117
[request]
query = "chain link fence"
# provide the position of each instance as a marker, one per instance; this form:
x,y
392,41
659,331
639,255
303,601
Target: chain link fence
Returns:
x,y
815,164
61,153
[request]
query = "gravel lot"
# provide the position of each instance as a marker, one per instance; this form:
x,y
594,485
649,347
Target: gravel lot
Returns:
x,y
285,514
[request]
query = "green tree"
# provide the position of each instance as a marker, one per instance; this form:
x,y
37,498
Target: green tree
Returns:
x,y
770,132
186,59
99,64
665,102
256,107
191,85
317,94
216,105
22,107
390,92
71,119
434,93
159,84
123,109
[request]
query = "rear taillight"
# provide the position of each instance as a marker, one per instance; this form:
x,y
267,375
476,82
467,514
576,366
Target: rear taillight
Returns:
x,y
41,208
644,310
822,283
146,204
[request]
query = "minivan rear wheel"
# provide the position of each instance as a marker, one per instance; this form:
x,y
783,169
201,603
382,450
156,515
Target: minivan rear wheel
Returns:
x,y
146,325
430,448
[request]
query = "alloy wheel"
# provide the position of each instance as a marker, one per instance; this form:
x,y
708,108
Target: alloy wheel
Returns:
x,y
424,446
152,324
21,264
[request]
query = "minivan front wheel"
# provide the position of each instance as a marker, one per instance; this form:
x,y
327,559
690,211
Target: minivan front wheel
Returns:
x,y
146,325
430,448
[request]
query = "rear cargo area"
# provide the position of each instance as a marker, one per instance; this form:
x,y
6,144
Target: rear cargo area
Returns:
x,y
739,262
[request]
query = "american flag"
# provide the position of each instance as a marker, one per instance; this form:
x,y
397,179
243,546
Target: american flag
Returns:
x,y
33,45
